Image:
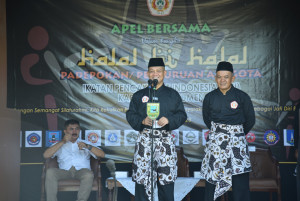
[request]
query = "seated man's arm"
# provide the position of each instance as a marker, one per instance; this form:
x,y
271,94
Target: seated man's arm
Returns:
x,y
53,149
99,153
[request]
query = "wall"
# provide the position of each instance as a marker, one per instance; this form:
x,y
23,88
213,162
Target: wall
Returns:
x,y
10,126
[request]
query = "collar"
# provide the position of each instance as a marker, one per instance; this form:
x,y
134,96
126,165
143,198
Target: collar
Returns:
x,y
161,88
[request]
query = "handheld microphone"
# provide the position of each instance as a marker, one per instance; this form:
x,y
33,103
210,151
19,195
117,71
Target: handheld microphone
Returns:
x,y
110,164
155,81
150,83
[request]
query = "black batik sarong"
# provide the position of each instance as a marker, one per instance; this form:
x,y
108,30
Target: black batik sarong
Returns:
x,y
226,154
164,159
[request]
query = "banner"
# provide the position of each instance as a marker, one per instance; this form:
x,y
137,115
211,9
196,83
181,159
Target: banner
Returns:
x,y
84,60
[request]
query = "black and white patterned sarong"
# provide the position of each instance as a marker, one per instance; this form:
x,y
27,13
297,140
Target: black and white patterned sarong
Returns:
x,y
164,159
226,154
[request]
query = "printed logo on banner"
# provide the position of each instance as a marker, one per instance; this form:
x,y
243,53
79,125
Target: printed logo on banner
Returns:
x,y
112,138
160,7
250,137
93,136
52,137
288,136
271,137
175,135
205,133
190,137
33,138
130,137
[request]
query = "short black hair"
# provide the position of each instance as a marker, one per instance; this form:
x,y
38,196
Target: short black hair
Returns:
x,y
71,122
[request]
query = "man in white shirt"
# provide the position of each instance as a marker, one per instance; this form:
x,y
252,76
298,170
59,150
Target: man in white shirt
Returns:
x,y
73,157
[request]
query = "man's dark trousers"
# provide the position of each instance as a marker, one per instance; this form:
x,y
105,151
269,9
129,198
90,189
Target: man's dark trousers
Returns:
x,y
165,192
240,188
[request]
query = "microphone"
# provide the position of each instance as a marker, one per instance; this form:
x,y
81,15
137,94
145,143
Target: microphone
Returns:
x,y
110,164
155,81
150,83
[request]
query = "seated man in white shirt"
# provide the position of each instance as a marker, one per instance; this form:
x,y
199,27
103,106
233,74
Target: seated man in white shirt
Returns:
x,y
73,157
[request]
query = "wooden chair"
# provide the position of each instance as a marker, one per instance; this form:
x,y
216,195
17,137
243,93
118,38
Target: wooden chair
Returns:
x,y
73,184
265,175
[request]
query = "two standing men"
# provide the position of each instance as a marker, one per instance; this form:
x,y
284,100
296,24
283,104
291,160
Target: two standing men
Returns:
x,y
228,113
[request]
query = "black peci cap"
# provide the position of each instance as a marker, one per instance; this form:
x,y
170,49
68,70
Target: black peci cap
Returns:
x,y
224,65
156,62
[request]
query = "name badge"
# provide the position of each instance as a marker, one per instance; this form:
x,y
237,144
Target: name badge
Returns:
x,y
153,110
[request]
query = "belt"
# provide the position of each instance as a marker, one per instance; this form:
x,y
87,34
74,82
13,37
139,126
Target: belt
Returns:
x,y
160,129
158,136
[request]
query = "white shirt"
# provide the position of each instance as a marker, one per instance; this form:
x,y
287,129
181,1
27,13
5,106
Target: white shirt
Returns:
x,y
69,155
